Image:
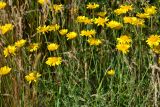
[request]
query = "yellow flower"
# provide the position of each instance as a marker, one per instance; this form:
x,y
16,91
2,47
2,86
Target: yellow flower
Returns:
x,y
94,41
88,33
42,2
2,5
123,9
53,27
10,50
156,49
53,47
43,29
101,14
123,47
33,76
63,31
83,19
124,39
53,61
87,21
71,35
100,21
92,6
5,28
143,15
20,43
151,10
153,40
134,21
57,7
33,47
4,70
111,72
114,25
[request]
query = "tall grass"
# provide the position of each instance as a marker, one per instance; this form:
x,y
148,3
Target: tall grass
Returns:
x,y
81,79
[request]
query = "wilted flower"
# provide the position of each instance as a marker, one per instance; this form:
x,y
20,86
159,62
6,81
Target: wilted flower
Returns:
x,y
4,70
20,43
53,47
71,35
94,41
10,50
53,61
2,4
33,76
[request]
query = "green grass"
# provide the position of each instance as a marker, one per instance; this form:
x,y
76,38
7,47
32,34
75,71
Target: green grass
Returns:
x,y
81,79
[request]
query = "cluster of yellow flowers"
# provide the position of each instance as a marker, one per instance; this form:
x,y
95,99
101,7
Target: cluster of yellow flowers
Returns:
x,y
123,43
123,9
5,28
44,29
154,42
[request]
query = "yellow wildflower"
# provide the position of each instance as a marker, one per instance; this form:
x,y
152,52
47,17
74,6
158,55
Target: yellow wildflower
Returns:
x,y
111,72
101,14
33,47
53,47
87,21
88,33
43,29
63,31
83,19
53,27
33,76
153,40
92,6
53,61
94,41
42,2
114,25
124,39
151,10
57,7
20,43
123,47
100,21
10,50
5,28
143,15
156,49
123,9
71,35
134,21
2,5
4,70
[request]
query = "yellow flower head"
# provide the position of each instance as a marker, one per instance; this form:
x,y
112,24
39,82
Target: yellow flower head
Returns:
x,y
153,40
100,21
101,14
151,10
33,76
5,28
43,29
143,15
33,47
57,7
71,35
114,25
42,2
94,41
10,50
111,72
88,33
92,6
53,61
124,48
53,27
2,5
124,39
53,47
63,31
123,9
20,43
83,19
134,21
4,70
